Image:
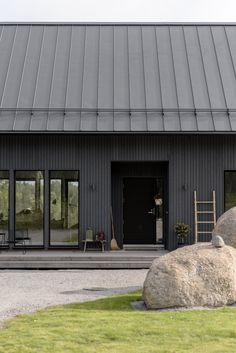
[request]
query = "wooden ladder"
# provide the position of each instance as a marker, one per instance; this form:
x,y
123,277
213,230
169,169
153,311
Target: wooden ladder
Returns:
x,y
198,212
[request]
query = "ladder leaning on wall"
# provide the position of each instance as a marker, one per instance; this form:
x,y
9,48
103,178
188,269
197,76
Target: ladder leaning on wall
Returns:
x,y
198,212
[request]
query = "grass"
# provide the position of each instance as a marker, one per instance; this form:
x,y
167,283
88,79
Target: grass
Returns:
x,y
111,325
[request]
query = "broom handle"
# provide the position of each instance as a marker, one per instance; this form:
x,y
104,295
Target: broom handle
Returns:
x,y
112,225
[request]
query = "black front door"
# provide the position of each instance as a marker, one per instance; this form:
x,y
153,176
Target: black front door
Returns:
x,y
139,210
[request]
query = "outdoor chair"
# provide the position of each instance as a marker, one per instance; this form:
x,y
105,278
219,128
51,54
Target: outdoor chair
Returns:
x,y
21,236
90,242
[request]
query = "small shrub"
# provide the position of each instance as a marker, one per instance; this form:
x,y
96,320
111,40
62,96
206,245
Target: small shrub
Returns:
x,y
182,230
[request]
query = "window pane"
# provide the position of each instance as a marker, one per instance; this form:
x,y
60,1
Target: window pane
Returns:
x,y
29,208
64,208
230,190
4,206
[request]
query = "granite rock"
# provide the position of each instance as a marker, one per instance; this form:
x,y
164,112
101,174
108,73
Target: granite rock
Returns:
x,y
226,227
192,276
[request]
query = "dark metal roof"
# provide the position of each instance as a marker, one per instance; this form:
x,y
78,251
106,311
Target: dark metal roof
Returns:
x,y
118,77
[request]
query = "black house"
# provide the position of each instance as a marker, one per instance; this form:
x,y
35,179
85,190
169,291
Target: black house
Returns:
x,y
129,116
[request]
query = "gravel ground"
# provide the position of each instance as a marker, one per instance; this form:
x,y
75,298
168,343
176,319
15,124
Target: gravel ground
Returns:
x,y
24,291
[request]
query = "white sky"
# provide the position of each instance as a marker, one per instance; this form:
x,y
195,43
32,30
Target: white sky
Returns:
x,y
118,10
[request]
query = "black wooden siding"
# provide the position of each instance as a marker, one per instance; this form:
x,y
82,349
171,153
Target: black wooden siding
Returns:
x,y
195,162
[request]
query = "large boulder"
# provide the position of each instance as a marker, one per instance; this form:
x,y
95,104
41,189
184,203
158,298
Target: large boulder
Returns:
x,y
192,276
226,227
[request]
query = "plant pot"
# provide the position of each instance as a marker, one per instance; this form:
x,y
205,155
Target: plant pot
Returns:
x,y
181,241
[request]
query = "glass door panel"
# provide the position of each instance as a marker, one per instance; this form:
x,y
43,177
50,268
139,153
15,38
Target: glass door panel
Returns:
x,y
4,207
29,208
64,208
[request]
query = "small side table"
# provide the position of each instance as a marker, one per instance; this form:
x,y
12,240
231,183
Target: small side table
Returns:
x,y
94,243
103,243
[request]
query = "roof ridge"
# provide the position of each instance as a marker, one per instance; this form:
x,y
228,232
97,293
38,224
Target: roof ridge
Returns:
x,y
117,23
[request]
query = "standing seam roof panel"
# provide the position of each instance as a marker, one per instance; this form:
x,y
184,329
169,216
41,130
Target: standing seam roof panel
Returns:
x,y
121,79
21,120
14,74
60,78
169,99
106,79
37,120
45,71
16,67
225,65
230,36
90,80
211,69
6,45
152,79
136,74
29,74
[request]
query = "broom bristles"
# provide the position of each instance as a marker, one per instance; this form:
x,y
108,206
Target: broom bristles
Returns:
x,y
114,245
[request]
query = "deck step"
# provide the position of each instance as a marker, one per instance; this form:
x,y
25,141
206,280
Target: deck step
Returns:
x,y
74,264
78,260
143,247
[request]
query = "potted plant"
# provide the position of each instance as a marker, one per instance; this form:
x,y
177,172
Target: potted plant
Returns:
x,y
182,230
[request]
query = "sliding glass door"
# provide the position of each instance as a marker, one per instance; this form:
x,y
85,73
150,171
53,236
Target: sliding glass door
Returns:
x,y
29,208
64,208
4,208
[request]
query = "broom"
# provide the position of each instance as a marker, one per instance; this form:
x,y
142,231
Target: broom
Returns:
x,y
114,245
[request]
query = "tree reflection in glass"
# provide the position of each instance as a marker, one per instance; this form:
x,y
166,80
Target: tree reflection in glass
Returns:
x,y
29,200
4,207
64,208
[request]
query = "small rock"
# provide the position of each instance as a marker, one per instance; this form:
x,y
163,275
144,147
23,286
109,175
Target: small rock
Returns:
x,y
217,241
139,305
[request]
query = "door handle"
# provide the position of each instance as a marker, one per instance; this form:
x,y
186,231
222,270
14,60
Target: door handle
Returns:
x,y
152,211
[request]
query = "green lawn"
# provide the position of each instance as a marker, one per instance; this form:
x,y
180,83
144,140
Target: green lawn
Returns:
x,y
110,325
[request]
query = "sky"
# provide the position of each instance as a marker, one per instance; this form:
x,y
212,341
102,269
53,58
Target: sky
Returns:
x,y
118,10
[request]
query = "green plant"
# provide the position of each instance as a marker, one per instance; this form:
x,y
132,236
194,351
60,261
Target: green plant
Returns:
x,y
182,230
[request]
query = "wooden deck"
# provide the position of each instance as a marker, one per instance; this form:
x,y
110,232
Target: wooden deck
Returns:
x,y
58,259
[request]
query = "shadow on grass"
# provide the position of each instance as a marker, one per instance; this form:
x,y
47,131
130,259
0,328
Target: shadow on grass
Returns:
x,y
113,303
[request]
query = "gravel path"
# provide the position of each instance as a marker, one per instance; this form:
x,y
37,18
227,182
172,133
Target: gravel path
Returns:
x,y
24,291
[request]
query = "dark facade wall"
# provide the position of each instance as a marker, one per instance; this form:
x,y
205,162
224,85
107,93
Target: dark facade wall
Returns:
x,y
195,162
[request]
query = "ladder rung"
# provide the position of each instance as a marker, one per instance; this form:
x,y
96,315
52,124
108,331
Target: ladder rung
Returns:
x,y
204,232
212,212
207,222
204,201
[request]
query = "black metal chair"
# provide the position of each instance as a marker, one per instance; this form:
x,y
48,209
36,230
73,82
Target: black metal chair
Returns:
x,y
21,236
